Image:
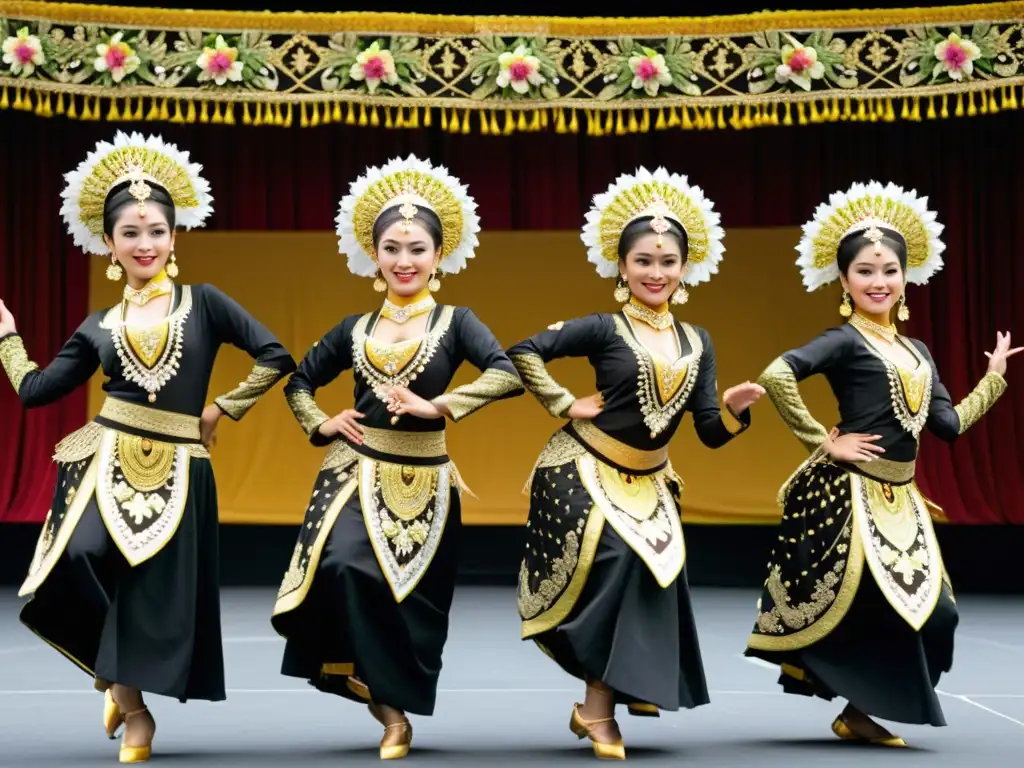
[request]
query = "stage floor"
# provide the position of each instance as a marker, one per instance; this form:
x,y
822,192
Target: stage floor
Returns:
x,y
503,702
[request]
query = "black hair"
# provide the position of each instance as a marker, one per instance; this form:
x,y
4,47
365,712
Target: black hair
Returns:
x,y
855,242
425,217
642,226
118,197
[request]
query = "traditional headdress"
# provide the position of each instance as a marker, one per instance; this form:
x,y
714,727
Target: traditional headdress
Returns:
x,y
140,160
412,184
664,196
865,208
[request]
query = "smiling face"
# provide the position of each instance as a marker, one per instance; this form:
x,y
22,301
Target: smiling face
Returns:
x,y
141,244
652,272
407,259
874,281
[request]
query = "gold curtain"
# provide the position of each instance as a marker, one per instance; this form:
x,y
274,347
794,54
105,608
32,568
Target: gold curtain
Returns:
x,y
520,282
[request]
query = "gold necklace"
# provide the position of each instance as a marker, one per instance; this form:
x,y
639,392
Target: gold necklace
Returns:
x,y
659,321
400,315
888,333
160,285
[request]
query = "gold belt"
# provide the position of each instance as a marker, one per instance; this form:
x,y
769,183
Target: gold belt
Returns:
x,y
617,451
179,426
413,445
885,470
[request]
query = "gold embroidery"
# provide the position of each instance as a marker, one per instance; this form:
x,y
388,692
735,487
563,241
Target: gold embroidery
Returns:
x,y
493,384
636,495
79,445
893,513
982,398
15,360
146,464
555,398
886,470
670,376
238,401
659,321
907,388
560,449
802,615
148,343
732,424
391,359
532,602
618,452
780,384
339,456
407,490
413,445
145,419
306,411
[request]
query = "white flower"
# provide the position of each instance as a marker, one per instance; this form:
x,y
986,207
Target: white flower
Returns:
x,y
116,57
219,63
374,65
956,57
649,71
24,52
800,65
519,69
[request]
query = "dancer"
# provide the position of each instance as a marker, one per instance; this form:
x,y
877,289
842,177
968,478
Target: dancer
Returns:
x,y
124,577
857,603
365,601
609,603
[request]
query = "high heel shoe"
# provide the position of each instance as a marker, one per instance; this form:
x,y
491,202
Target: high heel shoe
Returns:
x,y
843,730
112,717
643,709
603,750
136,754
397,740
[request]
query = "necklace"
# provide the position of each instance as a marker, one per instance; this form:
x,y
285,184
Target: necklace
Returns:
x,y
160,285
400,315
659,321
886,332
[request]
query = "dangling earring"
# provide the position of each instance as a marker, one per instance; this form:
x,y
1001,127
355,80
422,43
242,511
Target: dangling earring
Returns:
x,y
172,268
680,296
621,293
379,284
845,309
114,271
433,284
903,313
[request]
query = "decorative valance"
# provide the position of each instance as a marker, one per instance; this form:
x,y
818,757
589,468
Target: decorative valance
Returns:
x,y
503,74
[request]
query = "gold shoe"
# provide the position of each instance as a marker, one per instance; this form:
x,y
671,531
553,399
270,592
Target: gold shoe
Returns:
x,y
643,709
397,740
136,754
603,750
112,717
842,729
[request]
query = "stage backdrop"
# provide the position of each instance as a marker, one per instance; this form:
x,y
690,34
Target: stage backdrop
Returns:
x,y
519,283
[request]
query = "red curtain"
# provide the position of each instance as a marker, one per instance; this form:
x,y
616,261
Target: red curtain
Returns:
x,y
275,178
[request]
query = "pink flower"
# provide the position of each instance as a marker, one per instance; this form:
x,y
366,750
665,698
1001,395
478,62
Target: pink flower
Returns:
x,y
520,69
956,57
650,71
24,52
375,65
220,63
799,64
116,57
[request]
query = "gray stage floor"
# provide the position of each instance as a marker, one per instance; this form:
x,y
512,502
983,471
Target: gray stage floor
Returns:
x,y
503,702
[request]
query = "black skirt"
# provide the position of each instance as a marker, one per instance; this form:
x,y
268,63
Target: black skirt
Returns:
x,y
350,621
155,627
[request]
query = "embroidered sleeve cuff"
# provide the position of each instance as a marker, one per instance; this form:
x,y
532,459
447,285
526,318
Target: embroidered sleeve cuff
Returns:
x,y
781,385
238,401
15,360
306,411
733,424
555,398
977,404
493,384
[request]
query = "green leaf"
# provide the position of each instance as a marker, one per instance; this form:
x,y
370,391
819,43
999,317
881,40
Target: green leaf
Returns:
x,y
485,90
690,88
549,91
980,30
610,92
671,45
984,65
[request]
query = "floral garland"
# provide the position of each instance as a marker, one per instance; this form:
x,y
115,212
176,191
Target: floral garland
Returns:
x,y
76,61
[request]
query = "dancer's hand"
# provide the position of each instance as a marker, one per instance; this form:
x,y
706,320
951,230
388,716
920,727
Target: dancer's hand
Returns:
x,y
852,446
345,424
742,396
208,424
996,359
586,407
402,400
6,321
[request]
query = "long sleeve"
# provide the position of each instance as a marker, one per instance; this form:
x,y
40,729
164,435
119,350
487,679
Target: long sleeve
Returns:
x,y
781,377
581,337
716,425
323,363
235,326
947,421
76,362
499,379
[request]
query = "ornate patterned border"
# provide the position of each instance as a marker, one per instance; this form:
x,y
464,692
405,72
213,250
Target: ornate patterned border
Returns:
x,y
506,74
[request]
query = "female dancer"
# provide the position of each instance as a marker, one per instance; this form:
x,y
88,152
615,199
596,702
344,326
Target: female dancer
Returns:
x,y
607,602
124,577
365,601
879,637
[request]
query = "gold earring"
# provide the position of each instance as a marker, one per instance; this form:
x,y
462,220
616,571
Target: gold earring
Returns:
x,y
379,283
680,296
114,271
845,309
621,293
433,284
172,268
903,313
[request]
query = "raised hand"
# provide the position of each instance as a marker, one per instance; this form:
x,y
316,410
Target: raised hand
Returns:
x,y
996,359
402,400
586,407
852,446
6,321
742,396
